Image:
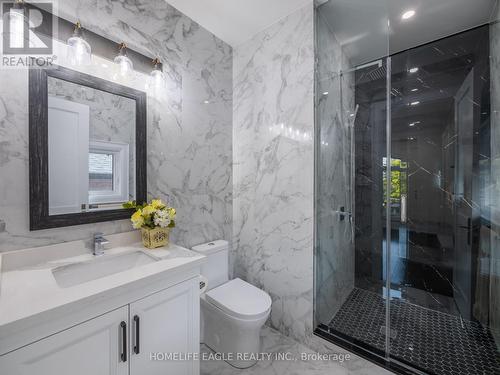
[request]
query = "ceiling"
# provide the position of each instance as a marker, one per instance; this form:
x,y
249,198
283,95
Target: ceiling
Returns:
x,y
361,26
442,69
236,21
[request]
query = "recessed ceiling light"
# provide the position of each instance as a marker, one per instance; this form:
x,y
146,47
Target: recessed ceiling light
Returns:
x,y
414,90
413,70
326,93
414,123
415,103
408,14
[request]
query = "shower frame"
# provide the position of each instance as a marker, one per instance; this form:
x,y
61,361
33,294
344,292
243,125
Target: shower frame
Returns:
x,y
380,357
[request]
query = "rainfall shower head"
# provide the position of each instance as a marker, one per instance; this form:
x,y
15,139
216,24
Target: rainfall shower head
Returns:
x,y
374,74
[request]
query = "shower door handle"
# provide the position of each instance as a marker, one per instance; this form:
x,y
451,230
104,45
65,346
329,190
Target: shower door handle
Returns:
x,y
404,208
343,214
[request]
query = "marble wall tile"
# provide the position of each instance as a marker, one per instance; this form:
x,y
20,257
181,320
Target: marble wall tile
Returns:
x,y
189,124
494,310
273,122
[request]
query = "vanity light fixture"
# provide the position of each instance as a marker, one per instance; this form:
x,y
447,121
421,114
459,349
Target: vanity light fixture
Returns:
x,y
17,21
157,76
126,65
408,14
79,51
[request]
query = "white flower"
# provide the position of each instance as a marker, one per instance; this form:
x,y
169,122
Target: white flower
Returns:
x,y
162,218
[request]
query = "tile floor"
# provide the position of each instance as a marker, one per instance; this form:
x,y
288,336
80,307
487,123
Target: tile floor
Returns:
x,y
275,342
436,342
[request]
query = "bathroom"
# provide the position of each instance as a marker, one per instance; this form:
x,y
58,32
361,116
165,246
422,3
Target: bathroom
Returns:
x,y
202,187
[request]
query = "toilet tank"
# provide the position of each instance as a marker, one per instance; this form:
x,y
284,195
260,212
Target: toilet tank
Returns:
x,y
216,268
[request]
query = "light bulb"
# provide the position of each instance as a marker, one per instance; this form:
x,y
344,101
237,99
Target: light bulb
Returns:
x,y
157,78
408,14
79,51
125,64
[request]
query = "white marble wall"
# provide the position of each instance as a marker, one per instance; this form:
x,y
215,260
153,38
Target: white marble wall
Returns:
x,y
273,120
189,124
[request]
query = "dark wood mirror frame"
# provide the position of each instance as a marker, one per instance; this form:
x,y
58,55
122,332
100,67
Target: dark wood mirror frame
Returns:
x,y
39,150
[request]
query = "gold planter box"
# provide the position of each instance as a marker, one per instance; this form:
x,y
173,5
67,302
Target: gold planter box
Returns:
x,y
153,238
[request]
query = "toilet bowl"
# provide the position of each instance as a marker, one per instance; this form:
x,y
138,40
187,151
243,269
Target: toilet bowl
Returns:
x,y
232,311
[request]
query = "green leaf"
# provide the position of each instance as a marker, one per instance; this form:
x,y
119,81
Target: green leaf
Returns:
x,y
130,204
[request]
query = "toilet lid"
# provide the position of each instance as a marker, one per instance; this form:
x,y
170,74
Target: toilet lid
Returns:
x,y
240,299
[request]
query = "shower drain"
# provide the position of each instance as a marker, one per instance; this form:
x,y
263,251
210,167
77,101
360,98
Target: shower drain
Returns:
x,y
393,332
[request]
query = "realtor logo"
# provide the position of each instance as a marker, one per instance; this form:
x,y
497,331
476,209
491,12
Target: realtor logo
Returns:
x,y
27,28
27,34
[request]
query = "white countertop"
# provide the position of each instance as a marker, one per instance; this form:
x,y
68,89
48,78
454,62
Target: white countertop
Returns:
x,y
31,290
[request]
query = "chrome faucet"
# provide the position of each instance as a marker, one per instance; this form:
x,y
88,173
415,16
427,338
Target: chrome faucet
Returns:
x,y
99,242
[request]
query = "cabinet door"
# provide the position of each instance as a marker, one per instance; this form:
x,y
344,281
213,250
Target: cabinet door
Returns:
x,y
166,323
94,347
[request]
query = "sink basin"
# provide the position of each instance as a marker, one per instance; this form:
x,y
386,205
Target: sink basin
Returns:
x,y
78,273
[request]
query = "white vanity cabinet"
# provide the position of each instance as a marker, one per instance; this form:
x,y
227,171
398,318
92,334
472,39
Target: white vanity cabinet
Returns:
x,y
122,341
165,323
93,347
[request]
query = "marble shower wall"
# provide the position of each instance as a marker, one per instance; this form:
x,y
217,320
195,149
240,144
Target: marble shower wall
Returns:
x,y
335,124
273,121
494,310
189,124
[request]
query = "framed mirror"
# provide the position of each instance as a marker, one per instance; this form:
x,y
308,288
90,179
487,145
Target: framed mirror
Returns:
x,y
87,148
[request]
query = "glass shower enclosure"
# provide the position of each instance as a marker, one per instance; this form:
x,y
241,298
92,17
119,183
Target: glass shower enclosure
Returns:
x,y
407,183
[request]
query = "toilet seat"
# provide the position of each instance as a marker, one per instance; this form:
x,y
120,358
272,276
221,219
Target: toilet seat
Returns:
x,y
240,299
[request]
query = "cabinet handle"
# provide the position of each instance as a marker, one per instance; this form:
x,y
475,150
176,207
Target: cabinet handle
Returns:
x,y
123,355
136,346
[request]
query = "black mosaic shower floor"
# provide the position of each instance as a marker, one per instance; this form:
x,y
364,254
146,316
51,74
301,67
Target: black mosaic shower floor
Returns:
x,y
429,340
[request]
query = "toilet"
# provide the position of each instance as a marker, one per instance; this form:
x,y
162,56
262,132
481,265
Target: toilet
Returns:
x,y
232,311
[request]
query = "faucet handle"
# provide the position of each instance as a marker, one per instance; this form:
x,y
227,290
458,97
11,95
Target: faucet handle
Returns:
x,y
99,238
99,242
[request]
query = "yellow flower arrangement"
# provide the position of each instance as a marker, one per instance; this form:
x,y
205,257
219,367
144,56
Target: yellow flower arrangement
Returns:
x,y
152,215
137,219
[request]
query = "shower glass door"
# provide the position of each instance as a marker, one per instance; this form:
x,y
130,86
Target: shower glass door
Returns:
x,y
407,231
351,149
443,289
